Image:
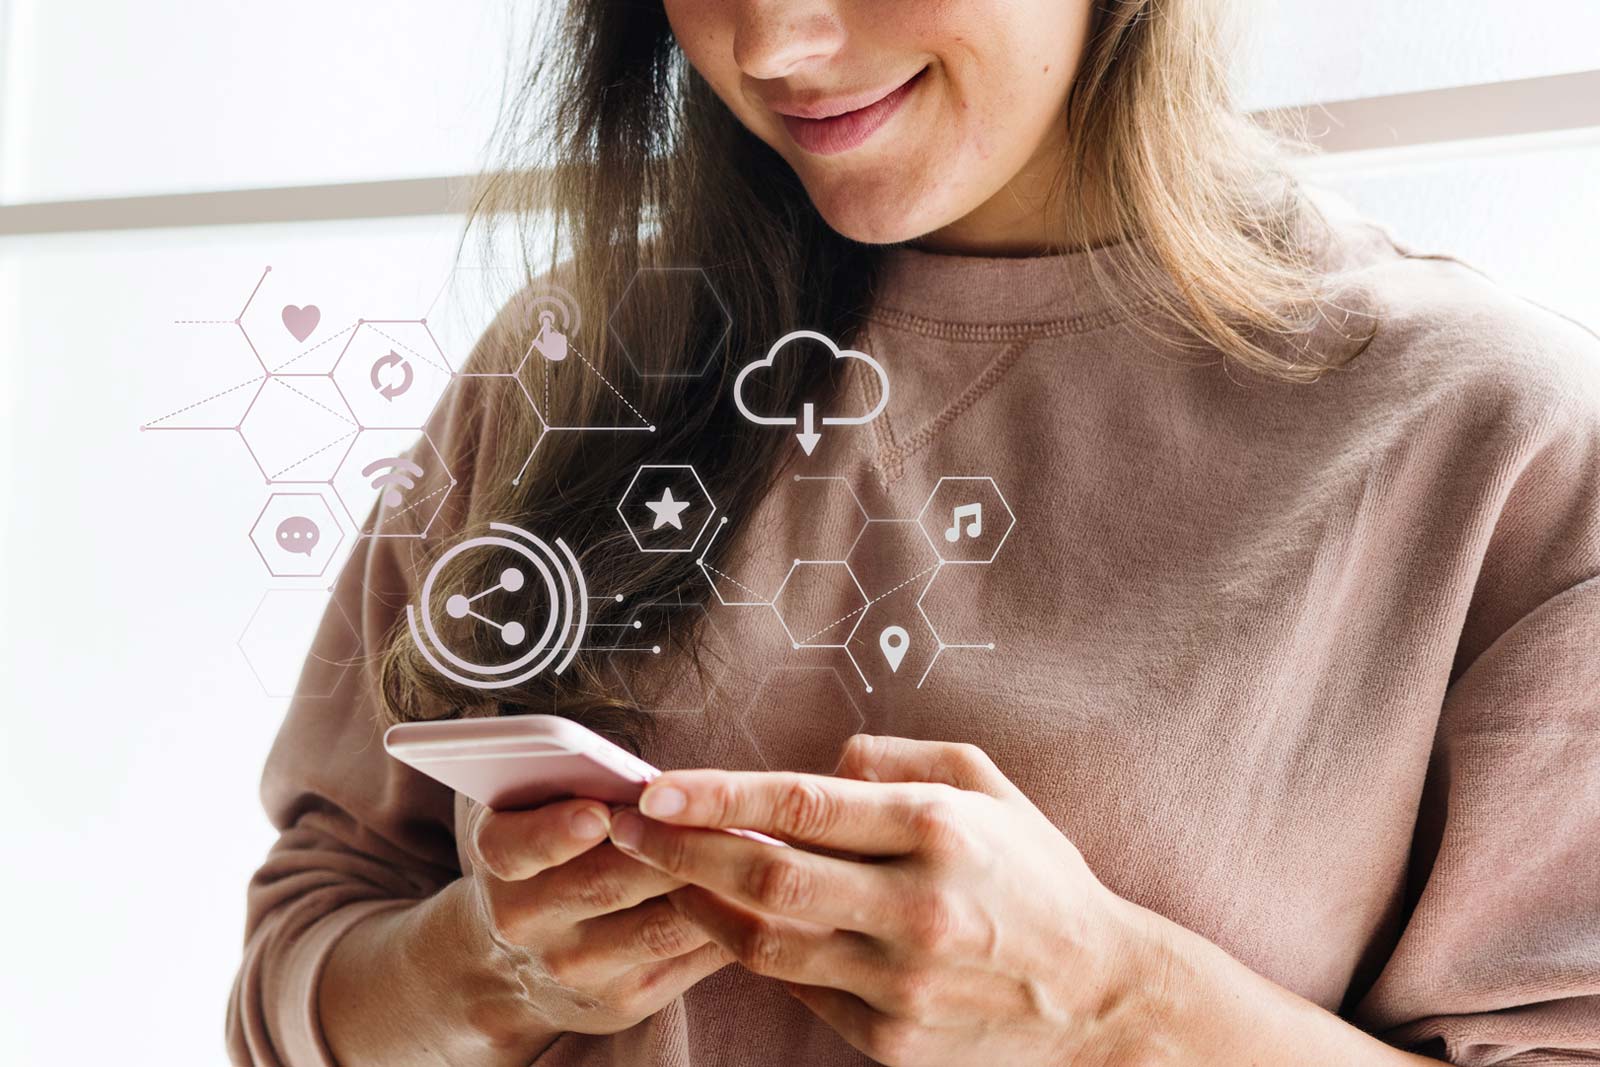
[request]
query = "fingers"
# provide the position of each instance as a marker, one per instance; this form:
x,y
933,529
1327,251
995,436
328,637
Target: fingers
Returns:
x,y
647,933
788,949
790,882
516,845
851,816
903,759
883,1038
598,882
663,981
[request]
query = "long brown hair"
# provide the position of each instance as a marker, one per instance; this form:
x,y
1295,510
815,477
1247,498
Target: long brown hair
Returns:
x,y
651,171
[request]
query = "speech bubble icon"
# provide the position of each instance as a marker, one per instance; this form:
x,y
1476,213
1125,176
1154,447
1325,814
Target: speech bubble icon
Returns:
x,y
298,534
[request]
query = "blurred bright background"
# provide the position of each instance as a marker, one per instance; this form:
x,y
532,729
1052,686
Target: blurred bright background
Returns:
x,y
134,724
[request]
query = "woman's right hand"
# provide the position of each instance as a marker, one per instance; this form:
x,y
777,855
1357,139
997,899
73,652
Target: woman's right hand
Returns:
x,y
588,934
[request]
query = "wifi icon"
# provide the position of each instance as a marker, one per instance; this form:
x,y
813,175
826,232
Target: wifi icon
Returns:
x,y
398,473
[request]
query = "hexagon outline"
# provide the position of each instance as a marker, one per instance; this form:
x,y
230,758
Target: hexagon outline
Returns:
x,y
331,555
443,495
722,338
866,602
744,715
998,494
943,645
663,466
344,668
332,373
352,435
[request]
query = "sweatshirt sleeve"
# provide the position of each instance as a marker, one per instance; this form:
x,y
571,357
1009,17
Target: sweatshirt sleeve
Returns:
x,y
1498,961
359,832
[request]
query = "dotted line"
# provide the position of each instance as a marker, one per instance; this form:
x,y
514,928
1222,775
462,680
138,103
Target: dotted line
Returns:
x,y
419,502
547,391
867,605
408,348
609,386
207,400
324,448
314,400
203,322
326,340
732,579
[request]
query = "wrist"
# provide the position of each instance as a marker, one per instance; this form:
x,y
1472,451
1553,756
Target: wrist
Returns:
x,y
482,984
1145,983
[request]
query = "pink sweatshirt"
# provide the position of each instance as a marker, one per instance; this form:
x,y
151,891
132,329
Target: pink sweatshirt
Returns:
x,y
1313,670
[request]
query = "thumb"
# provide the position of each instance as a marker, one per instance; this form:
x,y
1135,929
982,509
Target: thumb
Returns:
x,y
872,758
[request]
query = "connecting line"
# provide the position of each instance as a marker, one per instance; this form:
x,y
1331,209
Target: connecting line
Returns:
x,y
325,341
807,641
845,648
842,480
646,427
251,298
708,570
942,645
151,425
408,348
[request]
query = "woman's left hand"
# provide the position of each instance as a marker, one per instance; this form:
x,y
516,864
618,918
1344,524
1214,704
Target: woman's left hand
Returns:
x,y
953,923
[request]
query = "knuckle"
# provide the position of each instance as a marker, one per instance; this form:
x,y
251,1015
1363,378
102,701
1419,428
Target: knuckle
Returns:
x,y
933,924
972,759
891,1041
598,891
672,852
936,817
778,884
858,754
761,949
970,754
723,801
805,809
664,934
911,995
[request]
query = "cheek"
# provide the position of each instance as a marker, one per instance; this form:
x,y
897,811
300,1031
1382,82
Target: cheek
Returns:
x,y
704,32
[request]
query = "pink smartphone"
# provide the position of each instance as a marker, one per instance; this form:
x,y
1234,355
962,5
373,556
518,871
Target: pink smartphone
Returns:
x,y
521,761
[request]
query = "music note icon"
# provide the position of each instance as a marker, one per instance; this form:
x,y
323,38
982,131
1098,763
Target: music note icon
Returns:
x,y
973,513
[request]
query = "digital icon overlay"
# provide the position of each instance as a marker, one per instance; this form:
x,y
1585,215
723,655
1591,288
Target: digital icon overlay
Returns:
x,y
301,322
296,534
808,433
959,501
893,641
515,606
666,508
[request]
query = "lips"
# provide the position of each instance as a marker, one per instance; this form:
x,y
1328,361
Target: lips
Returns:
x,y
828,135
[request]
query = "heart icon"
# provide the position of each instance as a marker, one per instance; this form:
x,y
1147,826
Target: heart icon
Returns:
x,y
301,321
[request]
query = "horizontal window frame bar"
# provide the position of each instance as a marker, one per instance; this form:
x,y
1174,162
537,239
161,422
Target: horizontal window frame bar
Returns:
x,y
1369,126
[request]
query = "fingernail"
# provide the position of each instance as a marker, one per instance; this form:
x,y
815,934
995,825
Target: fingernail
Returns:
x,y
588,825
626,828
662,801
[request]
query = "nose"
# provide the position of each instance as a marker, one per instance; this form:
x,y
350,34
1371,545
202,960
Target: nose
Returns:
x,y
777,38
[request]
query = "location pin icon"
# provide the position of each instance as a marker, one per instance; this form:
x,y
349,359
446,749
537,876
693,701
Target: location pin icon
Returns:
x,y
893,641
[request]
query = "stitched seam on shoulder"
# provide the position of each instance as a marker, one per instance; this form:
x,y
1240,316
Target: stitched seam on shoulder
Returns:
x,y
1087,322
894,459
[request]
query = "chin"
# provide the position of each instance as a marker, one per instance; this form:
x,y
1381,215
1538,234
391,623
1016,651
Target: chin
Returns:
x,y
879,211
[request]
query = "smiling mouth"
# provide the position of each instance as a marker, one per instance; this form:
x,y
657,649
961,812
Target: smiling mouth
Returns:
x,y
832,134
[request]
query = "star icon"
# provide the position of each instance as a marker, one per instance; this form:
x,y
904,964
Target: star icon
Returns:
x,y
668,511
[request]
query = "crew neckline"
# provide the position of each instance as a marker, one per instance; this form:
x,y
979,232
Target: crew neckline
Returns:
x,y
1053,291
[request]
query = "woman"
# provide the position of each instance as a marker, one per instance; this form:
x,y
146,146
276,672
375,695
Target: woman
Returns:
x,y
1284,751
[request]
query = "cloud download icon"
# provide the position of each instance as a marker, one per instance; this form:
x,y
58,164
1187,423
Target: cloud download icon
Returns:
x,y
808,434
